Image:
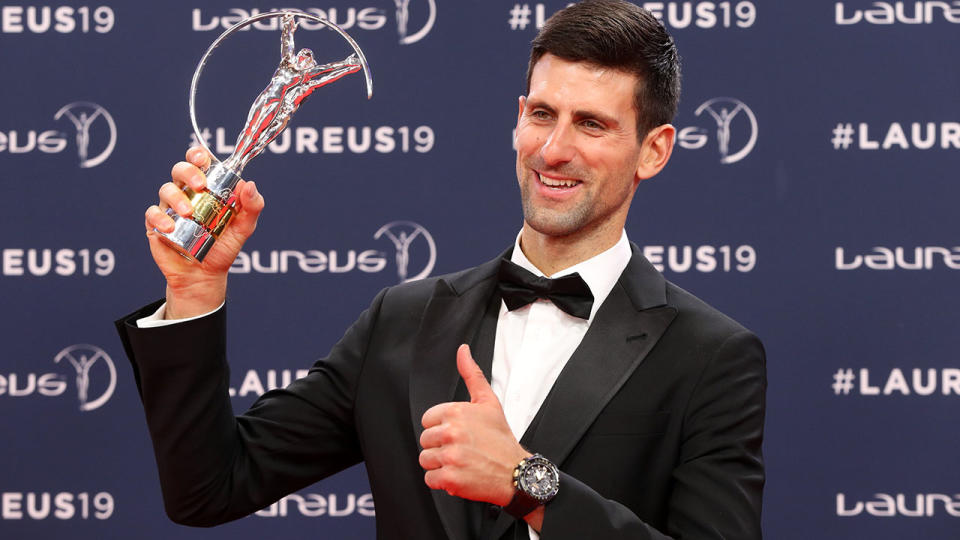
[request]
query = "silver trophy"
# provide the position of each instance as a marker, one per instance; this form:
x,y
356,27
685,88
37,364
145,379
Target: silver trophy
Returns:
x,y
297,76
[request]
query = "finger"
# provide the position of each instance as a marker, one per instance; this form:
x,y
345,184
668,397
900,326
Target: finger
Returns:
x,y
434,415
435,478
155,218
199,157
430,459
250,198
443,479
430,438
249,205
187,174
175,198
438,436
473,377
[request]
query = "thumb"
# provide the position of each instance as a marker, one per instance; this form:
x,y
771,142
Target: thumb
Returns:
x,y
477,385
251,204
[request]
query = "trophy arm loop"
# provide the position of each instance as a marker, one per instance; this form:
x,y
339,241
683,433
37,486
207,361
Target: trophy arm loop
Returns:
x,y
248,21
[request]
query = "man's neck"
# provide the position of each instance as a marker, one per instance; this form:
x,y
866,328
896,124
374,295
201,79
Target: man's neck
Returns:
x,y
551,254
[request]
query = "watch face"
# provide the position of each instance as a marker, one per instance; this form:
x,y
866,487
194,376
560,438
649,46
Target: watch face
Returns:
x,y
539,479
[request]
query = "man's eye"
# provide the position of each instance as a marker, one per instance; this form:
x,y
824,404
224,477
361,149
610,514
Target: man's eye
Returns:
x,y
591,124
540,115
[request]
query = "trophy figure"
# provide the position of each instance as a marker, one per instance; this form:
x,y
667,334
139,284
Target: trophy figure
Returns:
x,y
297,76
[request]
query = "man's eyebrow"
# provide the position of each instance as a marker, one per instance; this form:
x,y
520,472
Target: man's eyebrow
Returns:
x,y
603,118
580,114
535,103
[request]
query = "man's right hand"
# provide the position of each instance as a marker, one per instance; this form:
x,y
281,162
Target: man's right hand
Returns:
x,y
192,288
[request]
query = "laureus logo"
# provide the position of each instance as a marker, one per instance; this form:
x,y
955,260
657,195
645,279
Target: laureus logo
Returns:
x,y
83,358
89,118
408,36
404,235
724,111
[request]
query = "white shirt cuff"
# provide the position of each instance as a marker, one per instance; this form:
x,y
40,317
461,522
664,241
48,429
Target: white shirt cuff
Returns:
x,y
155,320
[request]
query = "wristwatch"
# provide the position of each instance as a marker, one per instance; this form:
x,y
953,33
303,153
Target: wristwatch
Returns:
x,y
536,481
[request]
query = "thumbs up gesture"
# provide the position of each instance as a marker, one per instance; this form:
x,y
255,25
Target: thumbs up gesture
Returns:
x,y
468,448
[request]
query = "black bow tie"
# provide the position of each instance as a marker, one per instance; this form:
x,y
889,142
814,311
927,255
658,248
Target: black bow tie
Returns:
x,y
519,288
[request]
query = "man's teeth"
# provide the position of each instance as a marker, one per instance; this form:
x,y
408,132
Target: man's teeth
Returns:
x,y
550,182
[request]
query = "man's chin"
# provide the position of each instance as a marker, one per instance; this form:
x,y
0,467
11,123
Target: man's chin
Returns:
x,y
552,223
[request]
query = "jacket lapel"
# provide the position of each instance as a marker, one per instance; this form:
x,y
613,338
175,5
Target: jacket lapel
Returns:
x,y
451,317
626,327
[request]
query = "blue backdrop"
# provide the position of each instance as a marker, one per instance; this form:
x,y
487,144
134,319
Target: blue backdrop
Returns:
x,y
812,196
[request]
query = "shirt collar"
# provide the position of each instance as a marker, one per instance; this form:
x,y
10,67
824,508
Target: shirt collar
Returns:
x,y
601,271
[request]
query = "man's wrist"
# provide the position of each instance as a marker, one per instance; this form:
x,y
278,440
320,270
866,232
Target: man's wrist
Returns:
x,y
158,319
195,300
510,490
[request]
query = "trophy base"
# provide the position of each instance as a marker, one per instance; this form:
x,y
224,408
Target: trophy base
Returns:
x,y
212,209
189,238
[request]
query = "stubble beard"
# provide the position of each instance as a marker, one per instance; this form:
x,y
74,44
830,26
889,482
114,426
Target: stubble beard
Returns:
x,y
553,221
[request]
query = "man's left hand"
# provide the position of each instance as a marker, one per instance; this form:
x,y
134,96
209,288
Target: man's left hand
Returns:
x,y
468,448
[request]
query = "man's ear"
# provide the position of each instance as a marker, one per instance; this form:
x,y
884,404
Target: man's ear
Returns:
x,y
655,151
522,102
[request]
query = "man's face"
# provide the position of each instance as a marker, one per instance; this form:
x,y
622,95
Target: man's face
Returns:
x,y
577,148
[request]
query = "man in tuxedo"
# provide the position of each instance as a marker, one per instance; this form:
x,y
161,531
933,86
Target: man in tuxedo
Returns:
x,y
601,402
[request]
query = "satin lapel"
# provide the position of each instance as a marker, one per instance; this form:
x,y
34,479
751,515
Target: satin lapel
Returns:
x,y
617,342
451,318
627,326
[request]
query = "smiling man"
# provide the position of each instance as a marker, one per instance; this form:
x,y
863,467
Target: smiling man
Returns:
x,y
580,157
563,390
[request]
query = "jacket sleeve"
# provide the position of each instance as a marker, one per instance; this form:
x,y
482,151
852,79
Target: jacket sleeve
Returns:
x,y
215,467
718,478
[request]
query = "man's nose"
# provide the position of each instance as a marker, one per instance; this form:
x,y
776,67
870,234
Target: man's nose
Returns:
x,y
560,146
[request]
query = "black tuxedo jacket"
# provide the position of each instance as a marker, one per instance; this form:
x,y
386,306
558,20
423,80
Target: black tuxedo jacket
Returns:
x,y
656,421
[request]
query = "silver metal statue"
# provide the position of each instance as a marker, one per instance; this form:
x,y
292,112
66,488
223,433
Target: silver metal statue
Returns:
x,y
297,76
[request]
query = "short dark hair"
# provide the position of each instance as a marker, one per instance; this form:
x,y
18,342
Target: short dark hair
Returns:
x,y
619,35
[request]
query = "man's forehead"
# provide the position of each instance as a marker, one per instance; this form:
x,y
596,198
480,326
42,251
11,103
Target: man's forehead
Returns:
x,y
553,76
582,68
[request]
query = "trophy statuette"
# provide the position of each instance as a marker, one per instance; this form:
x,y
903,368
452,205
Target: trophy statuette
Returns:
x,y
297,76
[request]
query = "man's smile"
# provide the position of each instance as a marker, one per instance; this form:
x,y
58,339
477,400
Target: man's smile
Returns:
x,y
556,183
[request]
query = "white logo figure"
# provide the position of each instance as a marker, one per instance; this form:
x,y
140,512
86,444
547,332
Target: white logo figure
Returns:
x,y
83,357
724,117
83,114
403,17
402,234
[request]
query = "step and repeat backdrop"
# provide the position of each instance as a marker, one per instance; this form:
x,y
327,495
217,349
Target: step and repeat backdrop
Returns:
x,y
812,195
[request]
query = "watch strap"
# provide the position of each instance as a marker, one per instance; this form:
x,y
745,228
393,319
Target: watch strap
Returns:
x,y
521,505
